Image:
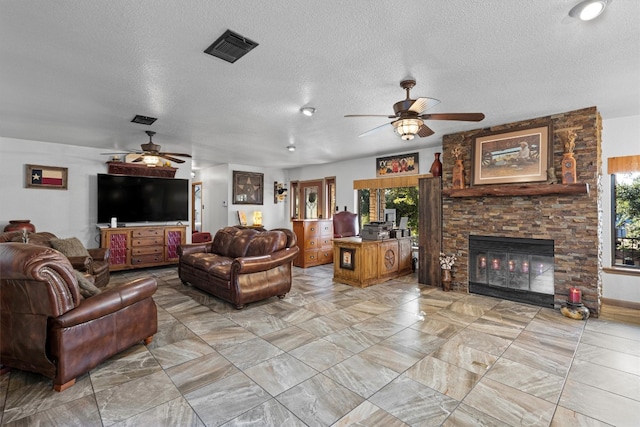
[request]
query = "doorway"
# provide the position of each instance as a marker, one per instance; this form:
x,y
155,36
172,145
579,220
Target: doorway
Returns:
x,y
196,203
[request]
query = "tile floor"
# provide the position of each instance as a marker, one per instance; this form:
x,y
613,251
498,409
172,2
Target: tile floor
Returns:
x,y
394,354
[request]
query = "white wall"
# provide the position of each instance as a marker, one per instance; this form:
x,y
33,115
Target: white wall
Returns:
x,y
620,137
65,213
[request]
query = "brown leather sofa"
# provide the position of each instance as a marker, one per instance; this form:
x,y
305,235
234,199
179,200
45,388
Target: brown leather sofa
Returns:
x,y
96,264
241,265
48,328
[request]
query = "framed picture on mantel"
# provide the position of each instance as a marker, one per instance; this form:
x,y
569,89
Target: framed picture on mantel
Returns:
x,y
512,156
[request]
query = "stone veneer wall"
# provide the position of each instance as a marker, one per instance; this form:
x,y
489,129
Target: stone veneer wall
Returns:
x,y
572,221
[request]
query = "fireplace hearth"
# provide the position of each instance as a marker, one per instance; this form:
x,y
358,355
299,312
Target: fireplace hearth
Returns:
x,y
515,269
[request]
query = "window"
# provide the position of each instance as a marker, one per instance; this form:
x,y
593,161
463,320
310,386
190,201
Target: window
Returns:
x,y
375,203
626,219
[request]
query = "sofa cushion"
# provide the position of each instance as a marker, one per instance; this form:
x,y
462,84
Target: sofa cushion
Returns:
x,y
267,243
71,247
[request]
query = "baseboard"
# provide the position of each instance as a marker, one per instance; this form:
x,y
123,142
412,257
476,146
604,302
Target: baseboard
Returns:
x,y
620,303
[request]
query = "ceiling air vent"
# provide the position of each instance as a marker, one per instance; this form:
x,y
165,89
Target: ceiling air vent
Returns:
x,y
143,120
231,46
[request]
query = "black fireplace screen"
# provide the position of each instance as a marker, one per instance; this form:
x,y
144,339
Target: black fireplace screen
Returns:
x,y
512,268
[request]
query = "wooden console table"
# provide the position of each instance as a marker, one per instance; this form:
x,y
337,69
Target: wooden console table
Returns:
x,y
363,263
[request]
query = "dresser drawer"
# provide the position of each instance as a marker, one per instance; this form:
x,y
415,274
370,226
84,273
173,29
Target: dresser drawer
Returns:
x,y
147,259
147,241
147,232
146,250
311,244
325,256
311,258
326,243
312,229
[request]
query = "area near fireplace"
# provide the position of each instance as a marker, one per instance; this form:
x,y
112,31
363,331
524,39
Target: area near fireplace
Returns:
x,y
572,221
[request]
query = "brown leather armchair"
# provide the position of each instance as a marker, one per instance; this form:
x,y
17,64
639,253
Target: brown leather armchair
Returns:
x,y
48,328
96,264
345,224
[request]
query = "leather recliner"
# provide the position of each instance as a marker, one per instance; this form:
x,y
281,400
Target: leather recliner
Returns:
x,y
47,327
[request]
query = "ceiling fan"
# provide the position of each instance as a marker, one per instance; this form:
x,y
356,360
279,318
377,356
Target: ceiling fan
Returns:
x,y
409,115
151,153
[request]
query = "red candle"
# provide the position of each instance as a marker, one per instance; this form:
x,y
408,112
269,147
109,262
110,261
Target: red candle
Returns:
x,y
512,266
483,262
495,264
525,267
575,296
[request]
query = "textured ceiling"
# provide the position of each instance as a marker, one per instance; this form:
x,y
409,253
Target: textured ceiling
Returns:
x,y
76,72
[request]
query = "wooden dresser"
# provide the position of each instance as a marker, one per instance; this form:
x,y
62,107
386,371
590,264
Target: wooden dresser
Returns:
x,y
315,237
137,247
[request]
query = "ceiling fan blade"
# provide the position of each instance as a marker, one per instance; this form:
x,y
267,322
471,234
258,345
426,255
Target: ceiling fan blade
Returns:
x,y
139,159
371,115
177,154
423,104
375,129
465,117
425,131
173,159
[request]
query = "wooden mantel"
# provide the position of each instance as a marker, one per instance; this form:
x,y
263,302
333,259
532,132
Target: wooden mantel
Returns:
x,y
518,190
140,169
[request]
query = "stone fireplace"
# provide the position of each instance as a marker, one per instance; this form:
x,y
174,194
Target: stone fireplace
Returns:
x,y
511,268
571,221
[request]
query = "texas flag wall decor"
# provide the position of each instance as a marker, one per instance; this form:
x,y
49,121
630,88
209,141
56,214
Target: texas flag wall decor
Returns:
x,y
46,177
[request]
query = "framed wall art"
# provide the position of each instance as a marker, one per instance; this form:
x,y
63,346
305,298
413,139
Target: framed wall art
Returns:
x,y
347,258
248,188
38,176
512,156
403,164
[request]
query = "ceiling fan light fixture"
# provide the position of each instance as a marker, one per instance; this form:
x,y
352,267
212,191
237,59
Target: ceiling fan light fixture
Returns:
x,y
588,9
150,160
407,128
308,111
291,147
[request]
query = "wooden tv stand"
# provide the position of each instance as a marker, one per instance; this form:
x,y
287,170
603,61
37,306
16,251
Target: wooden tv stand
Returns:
x,y
145,246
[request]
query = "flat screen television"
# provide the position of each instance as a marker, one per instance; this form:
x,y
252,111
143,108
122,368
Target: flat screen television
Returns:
x,y
142,199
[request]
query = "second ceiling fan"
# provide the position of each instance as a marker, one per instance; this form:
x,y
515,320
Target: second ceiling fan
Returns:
x,y
409,115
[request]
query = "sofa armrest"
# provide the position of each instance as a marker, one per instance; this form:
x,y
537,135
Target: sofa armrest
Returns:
x,y
107,302
194,248
99,254
80,263
245,265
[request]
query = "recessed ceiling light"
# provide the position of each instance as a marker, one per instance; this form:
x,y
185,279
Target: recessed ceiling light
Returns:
x,y
308,111
291,147
588,9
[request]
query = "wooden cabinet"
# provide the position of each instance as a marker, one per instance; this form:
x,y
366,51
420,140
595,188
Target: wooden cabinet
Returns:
x,y
137,247
363,263
315,238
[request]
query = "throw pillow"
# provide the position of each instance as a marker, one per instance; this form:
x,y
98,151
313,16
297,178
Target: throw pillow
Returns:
x,y
87,289
70,247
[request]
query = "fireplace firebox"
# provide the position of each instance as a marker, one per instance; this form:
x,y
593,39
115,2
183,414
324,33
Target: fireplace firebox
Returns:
x,y
512,268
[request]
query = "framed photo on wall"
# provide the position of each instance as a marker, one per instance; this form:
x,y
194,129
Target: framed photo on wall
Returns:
x,y
248,188
38,176
402,164
512,156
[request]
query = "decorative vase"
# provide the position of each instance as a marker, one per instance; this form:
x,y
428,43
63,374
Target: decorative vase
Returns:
x,y
20,224
569,175
446,280
458,175
436,166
